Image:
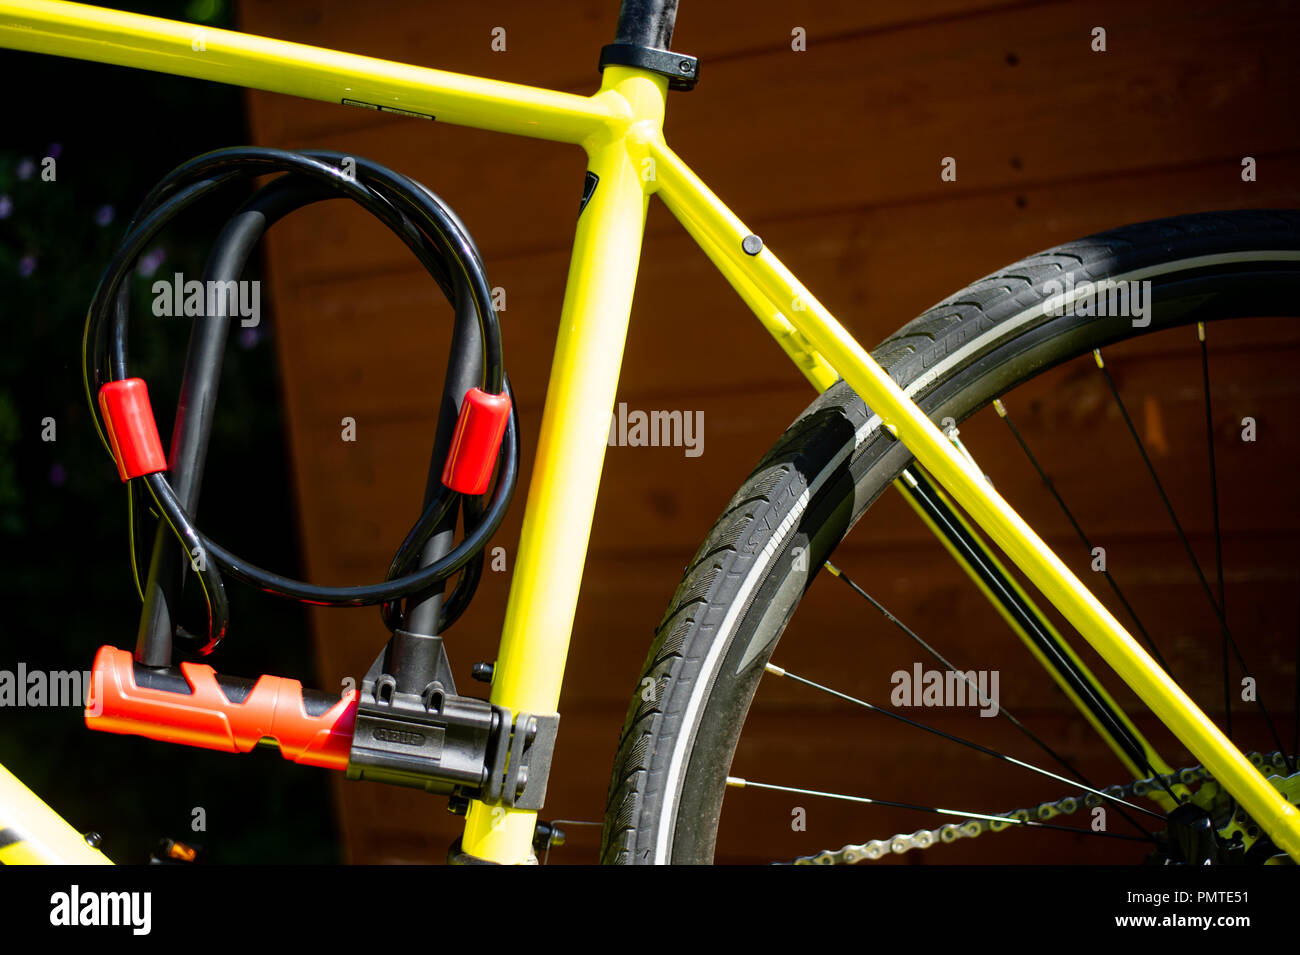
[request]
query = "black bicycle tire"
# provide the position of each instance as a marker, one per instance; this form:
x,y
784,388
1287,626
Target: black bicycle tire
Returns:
x,y
740,590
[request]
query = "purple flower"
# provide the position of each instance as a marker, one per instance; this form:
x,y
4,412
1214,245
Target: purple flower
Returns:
x,y
6,207
26,265
58,475
26,168
150,261
103,215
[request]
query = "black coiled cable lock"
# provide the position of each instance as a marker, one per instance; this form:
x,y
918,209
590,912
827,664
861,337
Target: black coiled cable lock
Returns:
x,y
477,436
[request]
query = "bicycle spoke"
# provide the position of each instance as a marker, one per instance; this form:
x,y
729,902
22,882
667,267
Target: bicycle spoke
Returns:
x,y
781,672
913,635
1160,488
737,782
841,575
1000,408
1205,586
1218,539
1029,622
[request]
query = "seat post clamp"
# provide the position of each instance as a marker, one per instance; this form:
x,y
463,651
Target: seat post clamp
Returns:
x,y
682,71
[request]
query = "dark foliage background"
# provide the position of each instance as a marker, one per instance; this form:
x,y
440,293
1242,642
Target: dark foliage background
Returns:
x,y
65,588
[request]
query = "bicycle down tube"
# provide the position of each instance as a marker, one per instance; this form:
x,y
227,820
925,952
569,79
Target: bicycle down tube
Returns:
x,y
620,127
706,218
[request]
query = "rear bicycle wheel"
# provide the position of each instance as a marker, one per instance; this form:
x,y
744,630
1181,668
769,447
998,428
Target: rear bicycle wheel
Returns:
x,y
742,588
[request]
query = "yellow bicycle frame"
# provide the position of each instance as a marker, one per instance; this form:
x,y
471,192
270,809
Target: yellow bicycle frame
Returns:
x,y
33,833
620,128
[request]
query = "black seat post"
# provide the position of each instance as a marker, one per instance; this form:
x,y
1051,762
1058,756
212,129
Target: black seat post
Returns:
x,y
645,32
647,23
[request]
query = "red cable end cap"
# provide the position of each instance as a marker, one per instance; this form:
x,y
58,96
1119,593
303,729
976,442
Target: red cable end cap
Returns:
x,y
132,432
477,441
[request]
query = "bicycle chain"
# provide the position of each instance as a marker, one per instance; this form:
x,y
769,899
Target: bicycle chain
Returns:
x,y
1269,764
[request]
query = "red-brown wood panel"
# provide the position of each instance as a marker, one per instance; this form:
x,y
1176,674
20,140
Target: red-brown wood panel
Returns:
x,y
833,155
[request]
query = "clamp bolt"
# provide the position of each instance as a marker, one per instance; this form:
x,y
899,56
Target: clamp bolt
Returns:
x,y
457,804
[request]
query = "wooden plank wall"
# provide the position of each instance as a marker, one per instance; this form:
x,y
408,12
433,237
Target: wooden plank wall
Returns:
x,y
833,156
